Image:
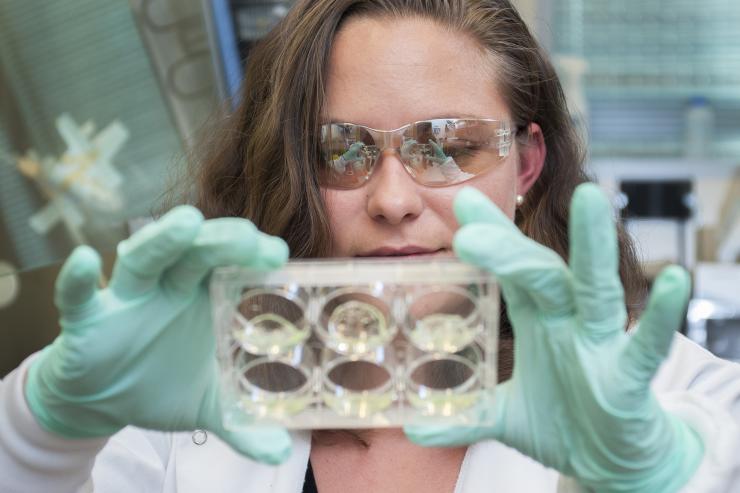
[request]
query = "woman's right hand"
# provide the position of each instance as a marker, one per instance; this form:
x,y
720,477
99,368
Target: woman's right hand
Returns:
x,y
141,352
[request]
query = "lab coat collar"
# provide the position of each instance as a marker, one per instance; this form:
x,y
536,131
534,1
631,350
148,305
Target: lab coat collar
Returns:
x,y
213,466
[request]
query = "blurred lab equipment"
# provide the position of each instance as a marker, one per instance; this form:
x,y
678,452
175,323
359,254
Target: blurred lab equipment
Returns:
x,y
713,318
699,128
234,26
9,284
728,224
665,200
175,36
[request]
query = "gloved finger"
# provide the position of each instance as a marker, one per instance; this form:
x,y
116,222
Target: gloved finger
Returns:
x,y
445,436
266,444
149,252
439,154
224,241
454,436
408,144
650,343
273,252
594,262
472,206
520,262
77,285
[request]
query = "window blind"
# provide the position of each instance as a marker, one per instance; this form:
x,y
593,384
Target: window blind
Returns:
x,y
646,60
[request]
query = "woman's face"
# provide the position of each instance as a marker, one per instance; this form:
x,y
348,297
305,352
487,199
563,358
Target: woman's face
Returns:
x,y
385,74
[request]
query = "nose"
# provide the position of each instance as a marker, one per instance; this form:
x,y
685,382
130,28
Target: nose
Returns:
x,y
392,194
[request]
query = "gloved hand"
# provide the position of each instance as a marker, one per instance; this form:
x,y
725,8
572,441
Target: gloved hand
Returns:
x,y
579,399
142,351
439,157
354,157
411,149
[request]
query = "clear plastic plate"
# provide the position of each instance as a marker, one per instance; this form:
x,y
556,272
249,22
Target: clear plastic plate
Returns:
x,y
356,343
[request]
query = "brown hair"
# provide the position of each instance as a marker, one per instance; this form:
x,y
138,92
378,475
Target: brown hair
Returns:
x,y
263,165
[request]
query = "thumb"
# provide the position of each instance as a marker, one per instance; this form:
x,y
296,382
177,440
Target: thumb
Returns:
x,y
438,152
267,444
77,283
486,411
650,344
263,443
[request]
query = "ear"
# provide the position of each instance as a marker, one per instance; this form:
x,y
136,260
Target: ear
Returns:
x,y
532,152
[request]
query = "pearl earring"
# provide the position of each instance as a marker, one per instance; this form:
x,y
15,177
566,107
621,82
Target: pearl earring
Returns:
x,y
519,199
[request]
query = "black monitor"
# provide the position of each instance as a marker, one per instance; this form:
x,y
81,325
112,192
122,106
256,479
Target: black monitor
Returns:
x,y
664,199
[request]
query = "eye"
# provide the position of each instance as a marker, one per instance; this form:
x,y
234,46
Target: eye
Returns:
x,y
471,157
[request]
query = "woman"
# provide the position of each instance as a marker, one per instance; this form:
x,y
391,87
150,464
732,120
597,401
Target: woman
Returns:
x,y
578,410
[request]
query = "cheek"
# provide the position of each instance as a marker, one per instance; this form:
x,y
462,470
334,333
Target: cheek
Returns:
x,y
441,202
344,208
500,186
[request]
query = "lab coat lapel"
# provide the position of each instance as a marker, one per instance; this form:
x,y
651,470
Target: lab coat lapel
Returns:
x,y
492,466
214,466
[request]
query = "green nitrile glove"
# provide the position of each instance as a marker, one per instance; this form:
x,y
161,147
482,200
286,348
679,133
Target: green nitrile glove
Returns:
x,y
439,156
432,152
142,351
579,399
354,157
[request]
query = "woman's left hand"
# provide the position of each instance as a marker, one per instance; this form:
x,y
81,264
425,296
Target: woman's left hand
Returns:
x,y
579,399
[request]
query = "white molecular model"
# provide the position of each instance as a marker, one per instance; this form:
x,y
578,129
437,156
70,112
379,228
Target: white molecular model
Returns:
x,y
82,180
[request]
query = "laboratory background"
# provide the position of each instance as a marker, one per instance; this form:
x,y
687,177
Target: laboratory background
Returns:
x,y
101,99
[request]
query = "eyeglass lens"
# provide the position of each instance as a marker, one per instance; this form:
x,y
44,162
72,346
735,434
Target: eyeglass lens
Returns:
x,y
435,152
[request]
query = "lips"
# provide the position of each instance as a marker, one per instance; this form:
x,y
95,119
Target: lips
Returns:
x,y
404,251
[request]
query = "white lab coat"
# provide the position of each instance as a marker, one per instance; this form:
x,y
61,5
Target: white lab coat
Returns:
x,y
693,384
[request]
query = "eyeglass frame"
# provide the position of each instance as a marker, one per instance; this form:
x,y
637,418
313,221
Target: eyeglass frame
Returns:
x,y
506,134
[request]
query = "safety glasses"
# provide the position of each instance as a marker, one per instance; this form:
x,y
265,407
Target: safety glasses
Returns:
x,y
435,153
